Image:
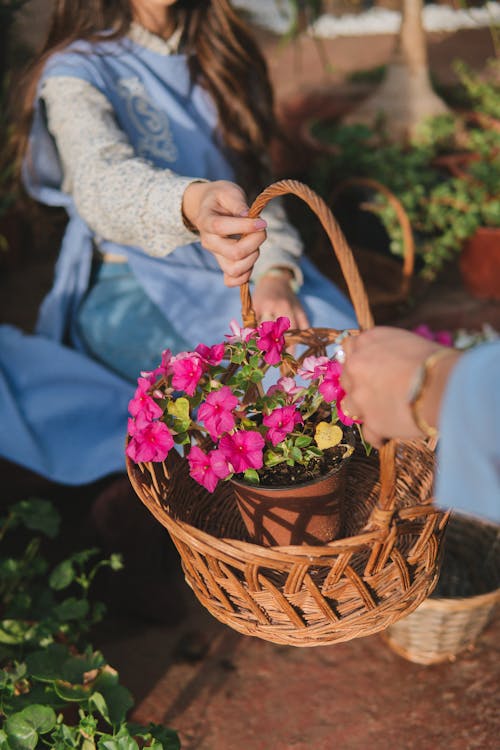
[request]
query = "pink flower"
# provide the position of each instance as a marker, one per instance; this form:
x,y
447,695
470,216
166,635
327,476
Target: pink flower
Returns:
x,y
142,403
313,367
207,468
424,331
162,370
212,355
152,443
239,334
216,412
343,417
285,385
243,450
445,338
281,422
271,339
330,385
139,423
187,369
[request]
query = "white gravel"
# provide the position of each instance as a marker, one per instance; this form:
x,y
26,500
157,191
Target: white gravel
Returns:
x,y
276,15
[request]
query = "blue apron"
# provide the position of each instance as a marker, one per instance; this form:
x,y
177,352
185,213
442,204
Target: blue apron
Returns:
x,y
171,123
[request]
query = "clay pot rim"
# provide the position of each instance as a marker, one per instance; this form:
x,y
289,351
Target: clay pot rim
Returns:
x,y
350,438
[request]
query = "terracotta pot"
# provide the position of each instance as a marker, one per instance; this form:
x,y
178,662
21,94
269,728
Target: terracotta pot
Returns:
x,y
306,513
480,263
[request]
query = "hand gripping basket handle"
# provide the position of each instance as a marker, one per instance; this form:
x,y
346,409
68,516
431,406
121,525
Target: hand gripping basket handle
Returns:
x,y
341,248
382,513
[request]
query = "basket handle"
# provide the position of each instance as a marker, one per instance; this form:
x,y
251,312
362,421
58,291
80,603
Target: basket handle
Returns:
x,y
382,513
341,248
404,221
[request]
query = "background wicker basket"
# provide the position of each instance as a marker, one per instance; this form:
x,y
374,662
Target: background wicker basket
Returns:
x,y
384,566
390,280
464,600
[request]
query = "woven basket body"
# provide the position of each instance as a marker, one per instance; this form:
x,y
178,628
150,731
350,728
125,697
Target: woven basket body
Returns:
x,y
464,600
383,567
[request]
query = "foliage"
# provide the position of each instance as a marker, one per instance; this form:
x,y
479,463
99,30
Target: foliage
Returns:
x,y
212,402
55,690
481,93
444,209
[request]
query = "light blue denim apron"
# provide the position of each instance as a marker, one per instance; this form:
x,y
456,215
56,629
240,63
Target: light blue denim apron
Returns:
x,y
171,123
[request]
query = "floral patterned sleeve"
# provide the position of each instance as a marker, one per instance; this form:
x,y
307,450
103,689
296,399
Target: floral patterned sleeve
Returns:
x,y
122,197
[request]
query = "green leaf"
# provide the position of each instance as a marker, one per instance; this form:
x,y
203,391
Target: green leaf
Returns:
x,y
168,738
82,557
273,459
251,476
47,664
55,662
179,409
40,693
108,742
62,575
24,727
116,561
97,700
15,631
118,699
71,609
38,515
313,451
72,693
64,737
303,441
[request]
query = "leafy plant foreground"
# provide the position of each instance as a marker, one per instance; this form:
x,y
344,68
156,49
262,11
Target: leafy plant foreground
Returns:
x,y
55,690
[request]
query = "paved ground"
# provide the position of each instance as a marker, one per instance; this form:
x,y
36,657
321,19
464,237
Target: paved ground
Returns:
x,y
248,693
223,691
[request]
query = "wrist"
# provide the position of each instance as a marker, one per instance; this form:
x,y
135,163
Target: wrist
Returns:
x,y
428,388
281,272
191,201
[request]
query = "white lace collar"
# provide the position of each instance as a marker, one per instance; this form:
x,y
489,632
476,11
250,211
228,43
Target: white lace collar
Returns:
x,y
153,42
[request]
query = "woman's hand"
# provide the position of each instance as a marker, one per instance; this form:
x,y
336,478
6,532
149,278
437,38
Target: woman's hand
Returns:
x,y
273,297
378,373
217,210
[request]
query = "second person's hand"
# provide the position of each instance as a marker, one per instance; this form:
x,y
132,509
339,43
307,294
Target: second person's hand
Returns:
x,y
217,210
274,297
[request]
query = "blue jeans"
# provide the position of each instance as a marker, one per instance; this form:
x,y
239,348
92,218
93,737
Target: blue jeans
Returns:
x,y
120,326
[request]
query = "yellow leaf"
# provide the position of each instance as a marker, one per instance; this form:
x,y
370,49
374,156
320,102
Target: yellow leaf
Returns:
x,y
327,435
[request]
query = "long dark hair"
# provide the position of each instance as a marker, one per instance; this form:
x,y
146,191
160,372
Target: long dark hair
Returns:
x,y
223,58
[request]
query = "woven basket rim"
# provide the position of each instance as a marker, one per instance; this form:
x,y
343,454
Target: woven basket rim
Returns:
x,y
461,602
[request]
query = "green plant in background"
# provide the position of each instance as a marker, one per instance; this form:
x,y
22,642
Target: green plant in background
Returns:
x,y
444,210
55,690
481,93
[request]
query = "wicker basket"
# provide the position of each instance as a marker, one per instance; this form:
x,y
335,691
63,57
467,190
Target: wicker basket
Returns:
x,y
385,565
463,601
